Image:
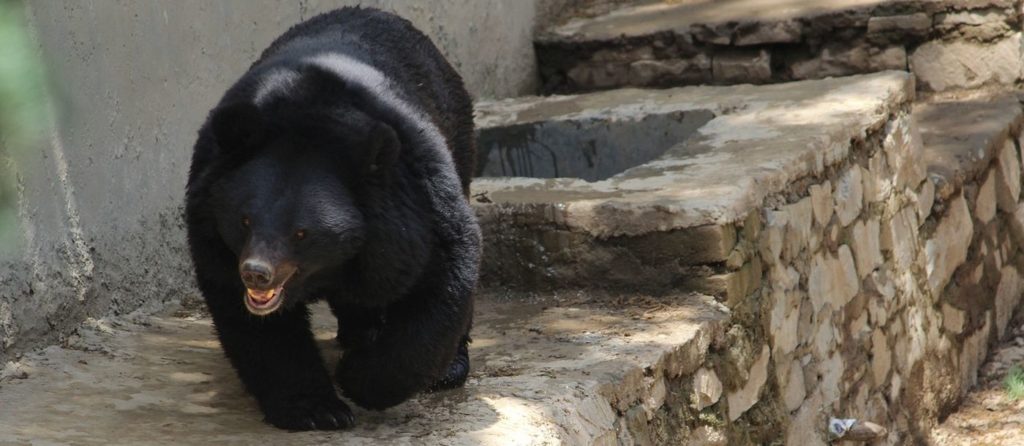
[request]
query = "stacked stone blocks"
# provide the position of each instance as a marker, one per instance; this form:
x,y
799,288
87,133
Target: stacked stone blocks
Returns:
x,y
949,45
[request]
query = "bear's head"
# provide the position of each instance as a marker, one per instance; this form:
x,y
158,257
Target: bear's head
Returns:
x,y
290,206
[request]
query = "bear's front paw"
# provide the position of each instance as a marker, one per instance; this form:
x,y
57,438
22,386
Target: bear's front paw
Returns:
x,y
375,384
301,413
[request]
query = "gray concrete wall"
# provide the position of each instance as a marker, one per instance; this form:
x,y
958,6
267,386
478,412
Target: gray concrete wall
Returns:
x,y
100,197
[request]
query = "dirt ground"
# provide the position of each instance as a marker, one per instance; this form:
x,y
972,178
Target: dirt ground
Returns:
x,y
988,415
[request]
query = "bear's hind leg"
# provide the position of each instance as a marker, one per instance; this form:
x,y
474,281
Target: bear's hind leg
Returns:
x,y
458,370
414,348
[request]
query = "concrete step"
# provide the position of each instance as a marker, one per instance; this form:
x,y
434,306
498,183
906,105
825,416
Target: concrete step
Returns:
x,y
948,44
548,369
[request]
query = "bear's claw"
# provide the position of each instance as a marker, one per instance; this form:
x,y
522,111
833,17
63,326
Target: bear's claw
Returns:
x,y
310,413
458,370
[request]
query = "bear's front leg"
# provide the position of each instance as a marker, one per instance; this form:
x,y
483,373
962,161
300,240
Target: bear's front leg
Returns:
x,y
413,349
277,360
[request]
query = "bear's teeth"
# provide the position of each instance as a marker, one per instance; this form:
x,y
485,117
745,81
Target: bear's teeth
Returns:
x,y
262,296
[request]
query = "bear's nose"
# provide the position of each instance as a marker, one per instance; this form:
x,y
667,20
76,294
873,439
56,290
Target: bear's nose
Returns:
x,y
256,274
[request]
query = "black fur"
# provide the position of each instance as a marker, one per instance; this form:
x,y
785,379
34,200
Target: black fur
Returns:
x,y
378,192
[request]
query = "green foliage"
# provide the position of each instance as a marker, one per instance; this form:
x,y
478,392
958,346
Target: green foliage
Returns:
x,y
22,107
1014,383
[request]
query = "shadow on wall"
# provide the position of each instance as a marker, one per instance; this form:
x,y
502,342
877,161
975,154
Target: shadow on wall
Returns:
x,y
22,108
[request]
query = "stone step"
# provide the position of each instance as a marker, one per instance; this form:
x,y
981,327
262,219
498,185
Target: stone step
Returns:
x,y
962,136
948,44
871,244
658,209
552,369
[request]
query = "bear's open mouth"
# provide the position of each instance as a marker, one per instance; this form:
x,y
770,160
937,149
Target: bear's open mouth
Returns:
x,y
264,302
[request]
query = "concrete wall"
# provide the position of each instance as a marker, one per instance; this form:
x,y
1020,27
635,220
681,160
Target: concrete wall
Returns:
x,y
99,199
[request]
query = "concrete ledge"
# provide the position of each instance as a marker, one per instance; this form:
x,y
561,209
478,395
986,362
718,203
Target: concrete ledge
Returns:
x,y
561,369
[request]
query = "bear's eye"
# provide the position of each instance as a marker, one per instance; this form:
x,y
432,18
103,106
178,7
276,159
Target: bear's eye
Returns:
x,y
245,221
300,234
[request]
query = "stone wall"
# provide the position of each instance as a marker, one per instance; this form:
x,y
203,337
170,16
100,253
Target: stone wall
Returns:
x,y
884,283
949,44
867,285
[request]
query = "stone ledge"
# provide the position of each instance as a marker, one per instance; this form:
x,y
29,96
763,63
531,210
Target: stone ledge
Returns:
x,y
716,21
762,139
755,41
546,369
962,136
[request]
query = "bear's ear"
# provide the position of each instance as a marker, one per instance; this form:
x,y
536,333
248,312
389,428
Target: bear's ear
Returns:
x,y
382,148
237,126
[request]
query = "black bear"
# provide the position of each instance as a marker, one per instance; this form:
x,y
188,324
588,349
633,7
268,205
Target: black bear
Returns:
x,y
338,168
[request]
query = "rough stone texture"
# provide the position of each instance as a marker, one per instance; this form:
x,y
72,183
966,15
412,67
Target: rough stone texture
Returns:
x,y
808,425
707,388
849,196
1008,296
973,352
662,72
941,65
793,389
925,200
1016,225
821,202
952,319
100,197
785,315
866,246
717,22
899,26
963,136
985,203
803,40
545,371
742,66
947,249
745,398
1008,177
881,358
832,279
979,24
843,59
763,33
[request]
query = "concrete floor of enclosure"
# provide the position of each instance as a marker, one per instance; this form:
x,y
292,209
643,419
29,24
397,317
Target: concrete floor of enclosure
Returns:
x,y
544,369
